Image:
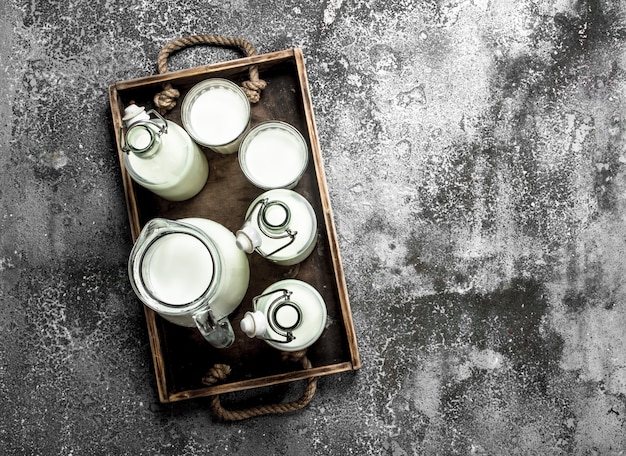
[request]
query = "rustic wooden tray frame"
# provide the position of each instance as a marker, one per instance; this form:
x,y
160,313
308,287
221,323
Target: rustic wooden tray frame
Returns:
x,y
180,356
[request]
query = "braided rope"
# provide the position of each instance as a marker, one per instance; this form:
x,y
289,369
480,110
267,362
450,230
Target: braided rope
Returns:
x,y
167,98
218,373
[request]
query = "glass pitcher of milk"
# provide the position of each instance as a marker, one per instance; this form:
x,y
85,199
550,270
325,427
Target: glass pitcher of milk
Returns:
x,y
191,273
281,226
160,156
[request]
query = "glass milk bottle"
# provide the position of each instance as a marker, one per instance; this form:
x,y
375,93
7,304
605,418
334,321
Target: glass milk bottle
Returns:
x,y
191,273
281,226
289,315
160,156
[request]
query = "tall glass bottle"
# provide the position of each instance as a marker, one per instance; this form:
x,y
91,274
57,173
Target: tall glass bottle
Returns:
x,y
160,156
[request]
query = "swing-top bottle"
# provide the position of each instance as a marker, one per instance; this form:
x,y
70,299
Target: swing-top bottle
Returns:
x,y
160,156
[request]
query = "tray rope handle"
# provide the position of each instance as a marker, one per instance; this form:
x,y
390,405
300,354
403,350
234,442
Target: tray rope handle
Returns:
x,y
167,98
219,372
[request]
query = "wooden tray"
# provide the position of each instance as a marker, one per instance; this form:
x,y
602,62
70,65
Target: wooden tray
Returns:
x,y
181,356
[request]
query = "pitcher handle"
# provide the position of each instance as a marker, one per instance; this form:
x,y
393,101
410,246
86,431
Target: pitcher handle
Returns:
x,y
218,333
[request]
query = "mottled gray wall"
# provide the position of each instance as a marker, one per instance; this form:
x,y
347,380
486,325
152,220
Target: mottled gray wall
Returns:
x,y
475,156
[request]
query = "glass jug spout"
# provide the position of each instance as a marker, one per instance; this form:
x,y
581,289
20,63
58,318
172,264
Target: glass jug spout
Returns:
x,y
218,333
152,230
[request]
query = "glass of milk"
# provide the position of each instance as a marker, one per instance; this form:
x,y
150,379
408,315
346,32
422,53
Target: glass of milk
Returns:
x,y
273,155
216,113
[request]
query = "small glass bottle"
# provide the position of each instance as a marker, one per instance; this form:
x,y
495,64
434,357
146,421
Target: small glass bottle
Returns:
x,y
281,226
160,156
289,315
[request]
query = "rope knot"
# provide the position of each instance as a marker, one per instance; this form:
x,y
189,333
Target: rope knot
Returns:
x,y
293,357
166,99
297,357
216,374
253,89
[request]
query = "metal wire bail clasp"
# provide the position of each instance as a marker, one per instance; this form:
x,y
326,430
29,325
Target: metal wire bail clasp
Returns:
x,y
141,132
283,315
273,220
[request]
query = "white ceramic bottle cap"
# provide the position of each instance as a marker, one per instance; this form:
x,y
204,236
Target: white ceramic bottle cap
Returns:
x,y
253,324
248,238
277,215
134,114
287,316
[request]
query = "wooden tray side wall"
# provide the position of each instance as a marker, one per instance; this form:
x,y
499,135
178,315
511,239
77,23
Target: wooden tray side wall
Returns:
x,y
328,213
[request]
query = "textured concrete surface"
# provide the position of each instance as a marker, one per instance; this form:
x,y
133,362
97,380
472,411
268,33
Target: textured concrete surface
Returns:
x,y
475,153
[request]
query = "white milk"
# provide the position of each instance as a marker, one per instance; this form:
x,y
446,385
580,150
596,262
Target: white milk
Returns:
x,y
215,113
303,221
234,266
177,172
170,268
313,314
178,268
273,155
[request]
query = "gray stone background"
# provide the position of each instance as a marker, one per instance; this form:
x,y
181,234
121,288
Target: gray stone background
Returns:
x,y
475,154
